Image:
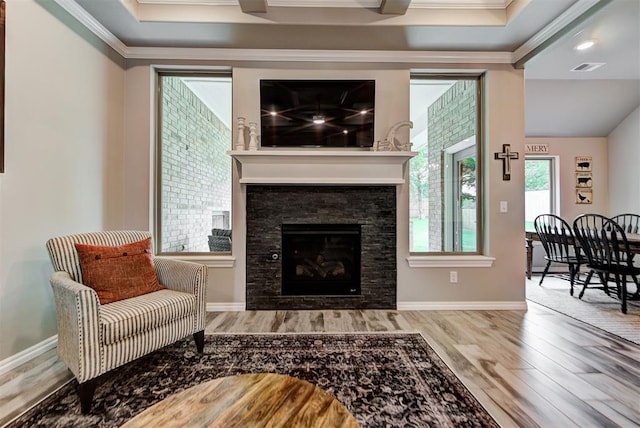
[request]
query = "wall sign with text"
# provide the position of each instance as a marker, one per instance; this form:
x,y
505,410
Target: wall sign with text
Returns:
x,y
536,149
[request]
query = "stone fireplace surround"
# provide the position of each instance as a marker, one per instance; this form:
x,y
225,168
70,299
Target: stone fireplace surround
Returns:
x,y
270,206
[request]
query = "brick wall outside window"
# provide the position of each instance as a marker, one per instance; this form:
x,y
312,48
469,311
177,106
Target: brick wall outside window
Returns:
x,y
195,171
452,118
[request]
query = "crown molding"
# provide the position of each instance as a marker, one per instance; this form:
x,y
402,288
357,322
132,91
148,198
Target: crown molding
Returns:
x,y
285,55
555,27
93,25
460,4
300,55
373,4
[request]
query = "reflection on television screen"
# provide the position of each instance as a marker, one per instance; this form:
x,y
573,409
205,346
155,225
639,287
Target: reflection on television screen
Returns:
x,y
317,113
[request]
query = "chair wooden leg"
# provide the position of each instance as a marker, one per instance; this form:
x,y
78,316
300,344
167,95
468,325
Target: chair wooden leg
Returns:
x,y
85,393
199,338
573,272
589,275
636,295
586,283
546,269
623,291
604,278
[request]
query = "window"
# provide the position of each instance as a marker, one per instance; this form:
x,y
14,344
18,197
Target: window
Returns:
x,y
540,191
445,198
193,169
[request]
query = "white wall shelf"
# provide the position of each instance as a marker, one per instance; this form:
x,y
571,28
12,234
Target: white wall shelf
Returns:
x,y
333,167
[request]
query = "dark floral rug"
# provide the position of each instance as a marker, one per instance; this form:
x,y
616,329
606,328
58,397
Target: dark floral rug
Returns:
x,y
384,379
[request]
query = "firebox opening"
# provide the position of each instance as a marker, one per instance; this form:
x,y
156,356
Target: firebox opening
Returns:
x,y
321,259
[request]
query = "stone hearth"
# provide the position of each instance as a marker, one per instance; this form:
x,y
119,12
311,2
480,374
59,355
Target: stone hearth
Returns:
x,y
372,207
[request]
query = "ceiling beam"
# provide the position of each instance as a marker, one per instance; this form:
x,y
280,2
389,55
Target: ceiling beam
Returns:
x,y
394,7
253,6
523,57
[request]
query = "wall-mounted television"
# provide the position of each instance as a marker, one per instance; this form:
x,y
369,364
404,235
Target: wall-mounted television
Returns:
x,y
317,113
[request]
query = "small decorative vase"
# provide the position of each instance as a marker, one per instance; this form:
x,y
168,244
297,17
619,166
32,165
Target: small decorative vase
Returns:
x,y
253,137
240,145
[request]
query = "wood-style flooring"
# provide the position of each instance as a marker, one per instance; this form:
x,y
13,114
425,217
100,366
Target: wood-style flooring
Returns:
x,y
248,400
534,368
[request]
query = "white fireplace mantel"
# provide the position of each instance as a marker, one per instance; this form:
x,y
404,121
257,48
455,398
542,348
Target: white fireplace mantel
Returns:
x,y
321,166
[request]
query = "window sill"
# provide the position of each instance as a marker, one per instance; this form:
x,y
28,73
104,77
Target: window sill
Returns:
x,y
450,261
226,261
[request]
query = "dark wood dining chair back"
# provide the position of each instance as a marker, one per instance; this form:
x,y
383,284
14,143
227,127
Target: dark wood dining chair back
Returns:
x,y
604,243
630,223
558,242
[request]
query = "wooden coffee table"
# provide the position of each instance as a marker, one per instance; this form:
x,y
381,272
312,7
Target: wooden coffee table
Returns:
x,y
248,400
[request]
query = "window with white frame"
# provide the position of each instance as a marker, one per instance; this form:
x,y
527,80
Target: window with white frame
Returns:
x,y
540,192
193,169
445,179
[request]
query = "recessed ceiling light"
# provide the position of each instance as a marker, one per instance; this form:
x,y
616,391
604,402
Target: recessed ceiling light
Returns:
x,y
318,120
585,45
273,113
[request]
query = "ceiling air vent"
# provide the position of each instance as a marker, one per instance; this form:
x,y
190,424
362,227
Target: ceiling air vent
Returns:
x,y
588,66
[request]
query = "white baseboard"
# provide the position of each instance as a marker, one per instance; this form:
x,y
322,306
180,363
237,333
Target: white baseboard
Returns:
x,y
28,354
226,307
462,306
407,306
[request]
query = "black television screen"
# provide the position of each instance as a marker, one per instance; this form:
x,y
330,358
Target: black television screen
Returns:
x,y
317,113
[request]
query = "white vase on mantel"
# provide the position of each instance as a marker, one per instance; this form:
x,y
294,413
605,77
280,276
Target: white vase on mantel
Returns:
x,y
240,144
253,137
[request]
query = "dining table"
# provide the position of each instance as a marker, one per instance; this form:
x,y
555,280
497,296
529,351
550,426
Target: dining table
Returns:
x,y
530,235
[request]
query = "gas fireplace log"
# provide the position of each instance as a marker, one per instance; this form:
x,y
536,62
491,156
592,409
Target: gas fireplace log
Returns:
x,y
316,267
304,270
338,269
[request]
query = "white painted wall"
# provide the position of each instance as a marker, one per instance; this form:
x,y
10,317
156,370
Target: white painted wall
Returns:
x,y
63,158
624,166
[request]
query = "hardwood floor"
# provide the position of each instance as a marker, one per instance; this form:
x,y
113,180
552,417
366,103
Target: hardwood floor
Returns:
x,y
528,368
248,400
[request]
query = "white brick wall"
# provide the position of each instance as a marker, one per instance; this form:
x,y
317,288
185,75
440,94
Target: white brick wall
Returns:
x,y
196,171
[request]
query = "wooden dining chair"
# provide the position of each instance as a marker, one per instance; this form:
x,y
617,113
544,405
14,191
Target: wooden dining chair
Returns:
x,y
604,243
630,223
558,243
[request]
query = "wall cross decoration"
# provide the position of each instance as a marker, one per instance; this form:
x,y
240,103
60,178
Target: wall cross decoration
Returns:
x,y
506,155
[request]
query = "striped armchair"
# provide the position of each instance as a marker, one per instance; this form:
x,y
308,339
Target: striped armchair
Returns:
x,y
94,338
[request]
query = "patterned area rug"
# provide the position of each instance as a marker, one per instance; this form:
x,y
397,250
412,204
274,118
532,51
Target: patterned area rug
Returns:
x,y
385,379
595,307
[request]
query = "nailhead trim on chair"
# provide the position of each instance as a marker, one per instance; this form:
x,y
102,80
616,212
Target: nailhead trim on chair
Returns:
x,y
174,313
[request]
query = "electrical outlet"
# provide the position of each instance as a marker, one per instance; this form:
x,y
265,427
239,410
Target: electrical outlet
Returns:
x,y
453,277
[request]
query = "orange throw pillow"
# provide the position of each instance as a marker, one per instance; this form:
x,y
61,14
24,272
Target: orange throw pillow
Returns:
x,y
119,272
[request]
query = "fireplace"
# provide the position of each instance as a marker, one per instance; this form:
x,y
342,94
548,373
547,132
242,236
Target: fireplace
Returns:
x,y
320,259
273,210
